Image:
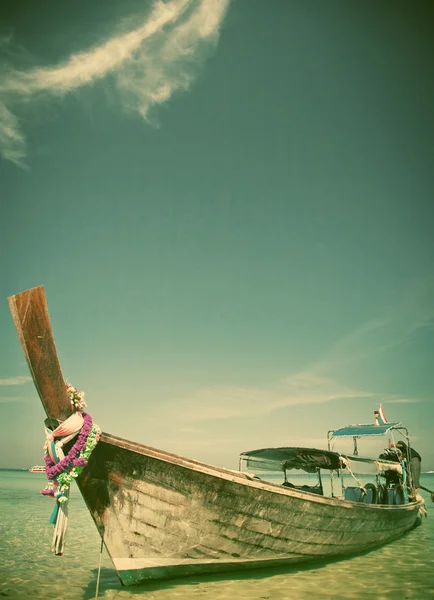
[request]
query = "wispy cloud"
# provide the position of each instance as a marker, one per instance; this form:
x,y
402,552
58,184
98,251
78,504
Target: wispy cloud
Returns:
x,y
147,65
229,402
402,400
20,380
321,382
9,399
410,315
190,431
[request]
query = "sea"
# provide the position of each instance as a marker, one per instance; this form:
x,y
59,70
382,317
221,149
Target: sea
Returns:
x,y
401,570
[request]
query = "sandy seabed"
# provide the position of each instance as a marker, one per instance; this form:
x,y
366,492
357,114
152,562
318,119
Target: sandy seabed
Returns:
x,y
401,570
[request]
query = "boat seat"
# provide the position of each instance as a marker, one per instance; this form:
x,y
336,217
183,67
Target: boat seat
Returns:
x,y
356,494
313,489
393,496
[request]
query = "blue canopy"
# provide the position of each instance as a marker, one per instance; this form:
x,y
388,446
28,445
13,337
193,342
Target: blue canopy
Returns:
x,y
368,429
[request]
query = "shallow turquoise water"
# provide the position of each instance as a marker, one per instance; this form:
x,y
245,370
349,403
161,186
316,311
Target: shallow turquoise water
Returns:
x,y
401,570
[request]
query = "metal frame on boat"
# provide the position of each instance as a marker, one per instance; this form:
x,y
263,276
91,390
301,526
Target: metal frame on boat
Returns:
x,y
161,515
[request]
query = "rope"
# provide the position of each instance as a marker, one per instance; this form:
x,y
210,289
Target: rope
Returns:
x,y
348,468
99,568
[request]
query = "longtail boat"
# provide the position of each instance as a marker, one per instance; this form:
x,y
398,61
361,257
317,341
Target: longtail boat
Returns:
x,y
161,515
37,469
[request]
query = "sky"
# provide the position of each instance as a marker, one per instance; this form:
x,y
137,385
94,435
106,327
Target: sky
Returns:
x,y
230,207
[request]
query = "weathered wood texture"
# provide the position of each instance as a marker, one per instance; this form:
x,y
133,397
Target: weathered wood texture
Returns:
x,y
164,516
30,315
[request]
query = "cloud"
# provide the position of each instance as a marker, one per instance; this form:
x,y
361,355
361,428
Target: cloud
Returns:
x,y
402,400
320,382
8,399
230,402
20,380
12,142
147,65
411,315
191,430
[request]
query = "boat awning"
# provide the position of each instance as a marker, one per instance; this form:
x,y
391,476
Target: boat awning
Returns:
x,y
306,459
362,430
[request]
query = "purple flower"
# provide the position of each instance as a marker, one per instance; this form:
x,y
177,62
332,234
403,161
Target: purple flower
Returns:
x,y
80,462
48,460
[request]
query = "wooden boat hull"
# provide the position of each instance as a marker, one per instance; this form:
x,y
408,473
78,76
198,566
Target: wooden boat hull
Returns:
x,y
165,516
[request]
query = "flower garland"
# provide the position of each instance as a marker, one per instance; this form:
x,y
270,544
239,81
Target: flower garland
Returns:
x,y
61,474
77,398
